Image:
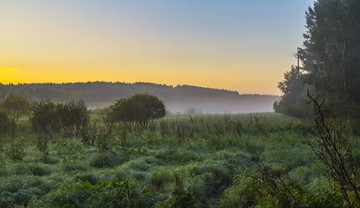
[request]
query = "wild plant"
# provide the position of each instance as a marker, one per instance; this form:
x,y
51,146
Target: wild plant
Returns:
x,y
88,134
151,126
260,126
276,185
68,147
191,129
17,149
2,161
103,140
123,135
209,129
138,128
179,180
180,133
158,178
250,122
42,145
12,129
219,129
163,128
85,137
237,126
333,150
181,196
173,127
269,188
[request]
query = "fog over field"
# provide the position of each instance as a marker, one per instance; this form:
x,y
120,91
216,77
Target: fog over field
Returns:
x,y
178,99
239,104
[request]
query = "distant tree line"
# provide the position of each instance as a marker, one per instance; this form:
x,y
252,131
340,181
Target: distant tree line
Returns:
x,y
98,92
330,61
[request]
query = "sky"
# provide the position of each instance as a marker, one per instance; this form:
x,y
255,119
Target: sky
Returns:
x,y
240,45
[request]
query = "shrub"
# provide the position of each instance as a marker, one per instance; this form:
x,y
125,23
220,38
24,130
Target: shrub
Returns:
x,y
16,106
333,150
7,126
45,118
73,116
269,189
138,108
17,149
4,120
49,118
42,145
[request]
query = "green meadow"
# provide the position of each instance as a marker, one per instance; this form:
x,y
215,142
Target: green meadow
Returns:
x,y
177,161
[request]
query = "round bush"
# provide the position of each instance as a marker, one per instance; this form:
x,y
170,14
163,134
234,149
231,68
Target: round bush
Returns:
x,y
138,108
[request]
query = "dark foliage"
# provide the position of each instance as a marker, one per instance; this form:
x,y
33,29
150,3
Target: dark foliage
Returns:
x,y
45,118
74,116
269,188
293,101
330,60
139,108
16,106
48,117
333,150
7,126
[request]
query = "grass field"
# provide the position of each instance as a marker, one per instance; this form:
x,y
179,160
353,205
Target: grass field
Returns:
x,y
178,161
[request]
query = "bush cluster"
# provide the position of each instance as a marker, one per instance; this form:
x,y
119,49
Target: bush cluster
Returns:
x,y
48,117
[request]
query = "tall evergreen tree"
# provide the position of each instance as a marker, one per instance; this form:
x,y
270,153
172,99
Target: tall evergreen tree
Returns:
x,y
331,54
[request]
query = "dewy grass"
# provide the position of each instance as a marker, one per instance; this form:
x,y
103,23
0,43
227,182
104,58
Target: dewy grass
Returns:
x,y
214,153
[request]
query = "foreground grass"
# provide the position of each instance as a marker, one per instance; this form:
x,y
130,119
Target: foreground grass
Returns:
x,y
214,154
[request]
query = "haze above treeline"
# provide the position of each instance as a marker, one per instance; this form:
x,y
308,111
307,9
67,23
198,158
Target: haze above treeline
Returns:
x,y
177,99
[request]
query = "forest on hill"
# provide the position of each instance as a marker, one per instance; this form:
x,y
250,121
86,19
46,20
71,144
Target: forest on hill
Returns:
x,y
181,98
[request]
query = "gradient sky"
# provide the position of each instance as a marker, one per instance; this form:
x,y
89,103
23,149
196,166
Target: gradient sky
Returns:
x,y
241,45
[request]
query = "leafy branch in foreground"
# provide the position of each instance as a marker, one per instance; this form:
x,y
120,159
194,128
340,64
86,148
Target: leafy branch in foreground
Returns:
x,y
332,148
277,186
270,188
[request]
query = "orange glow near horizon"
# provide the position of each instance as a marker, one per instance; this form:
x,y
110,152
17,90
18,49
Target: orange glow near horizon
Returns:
x,y
245,82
